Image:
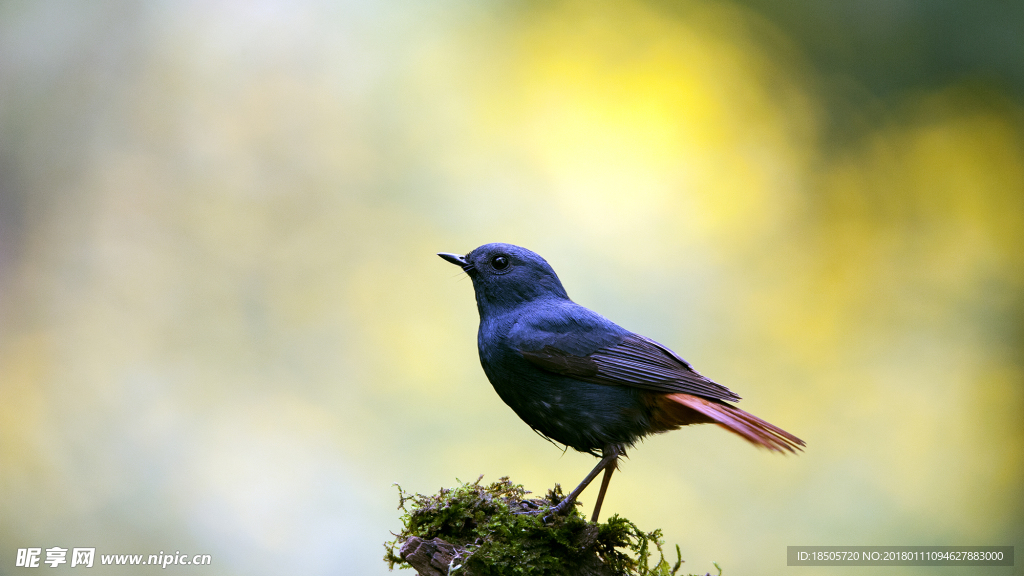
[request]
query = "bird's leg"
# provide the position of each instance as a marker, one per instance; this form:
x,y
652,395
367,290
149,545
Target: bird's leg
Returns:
x,y
586,482
609,457
604,488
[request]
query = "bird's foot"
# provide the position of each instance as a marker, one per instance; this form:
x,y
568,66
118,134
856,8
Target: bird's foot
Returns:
x,y
529,507
560,508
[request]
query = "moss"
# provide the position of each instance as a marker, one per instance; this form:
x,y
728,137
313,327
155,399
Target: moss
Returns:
x,y
498,531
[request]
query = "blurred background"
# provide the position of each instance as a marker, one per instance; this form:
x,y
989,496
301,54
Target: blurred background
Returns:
x,y
224,329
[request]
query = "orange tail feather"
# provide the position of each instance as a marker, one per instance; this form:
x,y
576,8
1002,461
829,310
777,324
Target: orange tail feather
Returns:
x,y
747,425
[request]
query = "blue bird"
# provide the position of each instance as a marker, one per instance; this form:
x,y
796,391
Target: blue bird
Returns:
x,y
581,380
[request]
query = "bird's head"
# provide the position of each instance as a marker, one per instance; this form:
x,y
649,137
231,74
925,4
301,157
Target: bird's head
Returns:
x,y
505,275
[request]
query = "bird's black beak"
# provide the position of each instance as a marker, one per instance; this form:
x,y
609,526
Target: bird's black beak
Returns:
x,y
454,259
459,261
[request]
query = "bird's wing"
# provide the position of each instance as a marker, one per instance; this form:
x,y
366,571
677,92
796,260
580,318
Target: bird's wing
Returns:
x,y
622,359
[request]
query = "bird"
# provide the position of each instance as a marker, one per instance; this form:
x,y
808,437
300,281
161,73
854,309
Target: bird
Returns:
x,y
581,380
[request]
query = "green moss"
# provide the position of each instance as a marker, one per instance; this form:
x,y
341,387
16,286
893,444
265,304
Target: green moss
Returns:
x,y
504,533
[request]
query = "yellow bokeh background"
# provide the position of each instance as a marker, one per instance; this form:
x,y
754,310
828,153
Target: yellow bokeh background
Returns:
x,y
224,331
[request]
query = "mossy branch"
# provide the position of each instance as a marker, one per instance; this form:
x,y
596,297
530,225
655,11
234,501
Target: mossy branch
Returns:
x,y
476,530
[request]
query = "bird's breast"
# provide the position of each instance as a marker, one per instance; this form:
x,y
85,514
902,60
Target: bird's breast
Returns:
x,y
582,415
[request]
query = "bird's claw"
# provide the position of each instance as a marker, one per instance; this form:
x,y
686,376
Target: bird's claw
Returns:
x,y
556,510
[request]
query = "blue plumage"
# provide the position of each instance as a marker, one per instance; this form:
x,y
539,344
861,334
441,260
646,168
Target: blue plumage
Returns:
x,y
580,379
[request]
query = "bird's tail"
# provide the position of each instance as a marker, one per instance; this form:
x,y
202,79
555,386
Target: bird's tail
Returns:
x,y
747,425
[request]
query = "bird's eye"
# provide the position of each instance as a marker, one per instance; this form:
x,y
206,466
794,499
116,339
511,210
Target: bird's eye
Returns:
x,y
499,262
